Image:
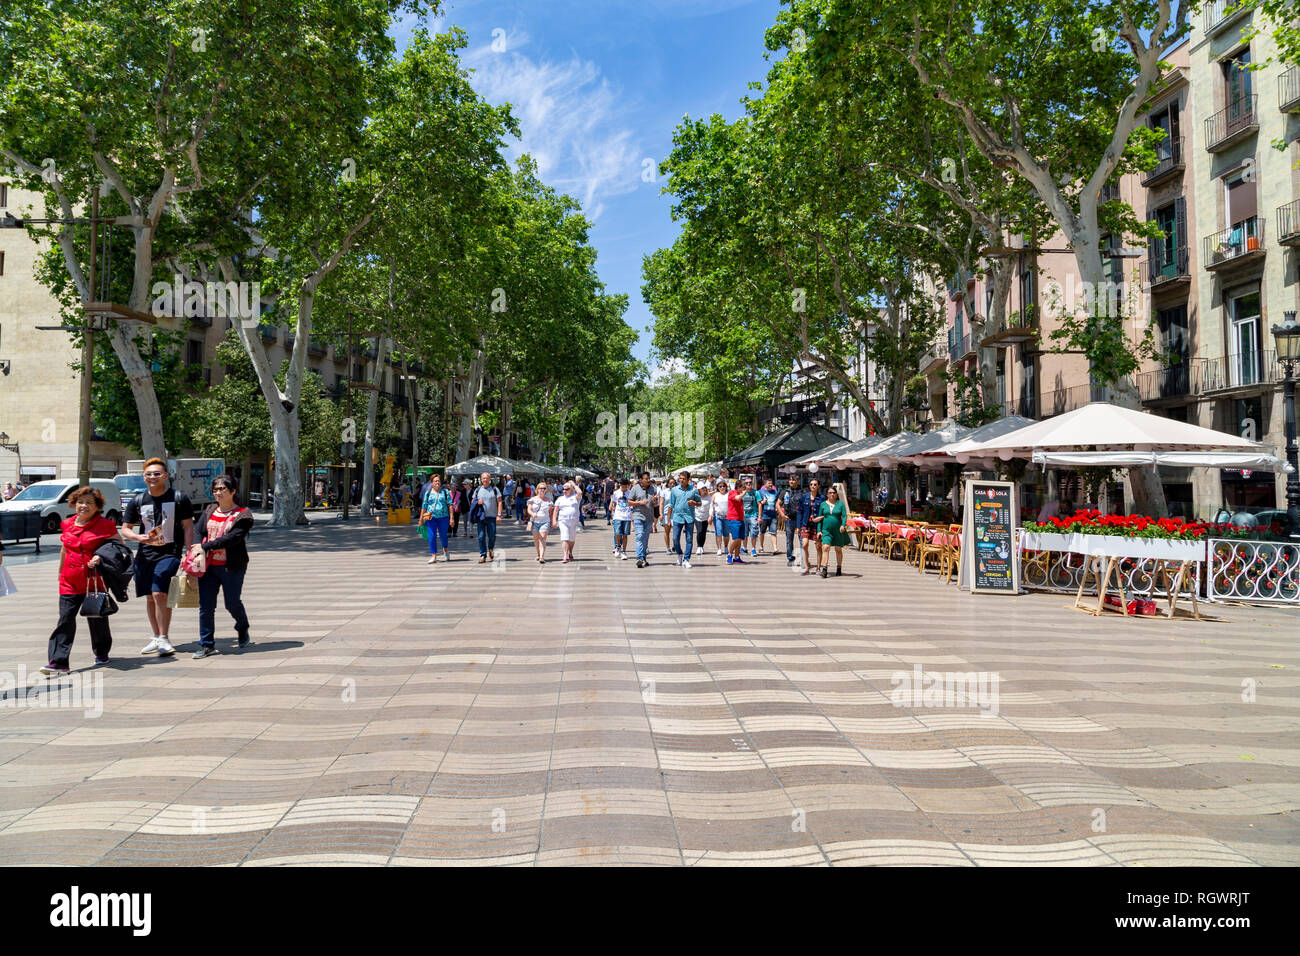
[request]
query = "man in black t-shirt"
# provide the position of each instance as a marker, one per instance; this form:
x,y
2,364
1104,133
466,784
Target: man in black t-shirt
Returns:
x,y
166,520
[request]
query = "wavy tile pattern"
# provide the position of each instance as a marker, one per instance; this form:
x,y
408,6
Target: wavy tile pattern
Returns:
x,y
392,713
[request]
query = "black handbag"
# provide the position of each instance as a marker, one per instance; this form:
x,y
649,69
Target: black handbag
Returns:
x,y
97,603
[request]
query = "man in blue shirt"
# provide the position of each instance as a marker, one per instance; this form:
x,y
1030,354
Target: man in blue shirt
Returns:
x,y
767,515
680,509
810,503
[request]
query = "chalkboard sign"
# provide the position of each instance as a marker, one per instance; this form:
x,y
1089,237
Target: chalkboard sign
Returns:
x,y
988,537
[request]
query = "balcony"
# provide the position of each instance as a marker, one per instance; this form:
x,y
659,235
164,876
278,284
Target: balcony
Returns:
x,y
1236,121
1240,372
1218,15
1016,329
1170,153
1167,269
1023,406
269,334
932,359
1061,400
1288,91
1241,245
1162,384
1288,224
316,348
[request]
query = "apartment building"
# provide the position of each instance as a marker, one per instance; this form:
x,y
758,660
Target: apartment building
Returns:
x,y
1209,289
40,396
1246,229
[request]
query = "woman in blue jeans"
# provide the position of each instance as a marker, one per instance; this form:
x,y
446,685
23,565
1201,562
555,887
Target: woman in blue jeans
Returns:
x,y
435,515
222,532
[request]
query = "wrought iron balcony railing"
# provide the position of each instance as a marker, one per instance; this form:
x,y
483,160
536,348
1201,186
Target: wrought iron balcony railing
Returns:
x,y
1238,119
1244,238
1170,153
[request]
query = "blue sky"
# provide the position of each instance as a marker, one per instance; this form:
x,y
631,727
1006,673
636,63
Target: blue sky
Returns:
x,y
598,86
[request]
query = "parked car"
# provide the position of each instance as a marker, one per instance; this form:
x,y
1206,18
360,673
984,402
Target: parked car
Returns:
x,y
50,500
1251,516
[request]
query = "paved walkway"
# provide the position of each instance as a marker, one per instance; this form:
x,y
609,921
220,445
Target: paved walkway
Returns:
x,y
392,712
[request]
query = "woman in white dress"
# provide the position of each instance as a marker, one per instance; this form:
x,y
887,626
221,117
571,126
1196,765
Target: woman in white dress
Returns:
x,y
564,515
539,519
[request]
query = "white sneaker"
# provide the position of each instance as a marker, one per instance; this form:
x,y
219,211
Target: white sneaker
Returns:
x,y
686,564
151,647
678,562
164,648
433,558
719,552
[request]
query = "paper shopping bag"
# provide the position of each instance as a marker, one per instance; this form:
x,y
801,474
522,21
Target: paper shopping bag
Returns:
x,y
183,592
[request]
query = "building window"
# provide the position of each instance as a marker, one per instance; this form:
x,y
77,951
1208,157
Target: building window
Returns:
x,y
2,263
1167,120
1028,292
1236,82
4,195
1239,199
1244,358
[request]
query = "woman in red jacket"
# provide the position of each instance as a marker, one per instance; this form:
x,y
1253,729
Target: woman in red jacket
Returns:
x,y
83,534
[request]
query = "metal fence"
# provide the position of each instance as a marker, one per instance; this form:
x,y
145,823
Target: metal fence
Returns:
x,y
1063,570
1267,571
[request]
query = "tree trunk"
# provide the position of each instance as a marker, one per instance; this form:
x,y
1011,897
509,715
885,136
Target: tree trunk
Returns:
x,y
411,411
282,405
372,412
473,384
996,320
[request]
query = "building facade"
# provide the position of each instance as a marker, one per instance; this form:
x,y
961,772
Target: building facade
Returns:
x,y
1225,269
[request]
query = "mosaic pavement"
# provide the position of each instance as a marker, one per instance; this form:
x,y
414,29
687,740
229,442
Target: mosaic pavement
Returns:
x,y
395,713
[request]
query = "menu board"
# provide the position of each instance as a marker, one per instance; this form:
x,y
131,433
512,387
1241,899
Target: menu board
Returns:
x,y
988,539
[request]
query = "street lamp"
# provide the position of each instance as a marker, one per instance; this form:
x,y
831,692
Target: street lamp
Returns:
x,y
1287,337
5,444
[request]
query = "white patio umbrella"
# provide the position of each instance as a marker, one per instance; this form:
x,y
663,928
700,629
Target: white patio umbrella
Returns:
x,y
984,433
476,466
1102,426
925,450
868,448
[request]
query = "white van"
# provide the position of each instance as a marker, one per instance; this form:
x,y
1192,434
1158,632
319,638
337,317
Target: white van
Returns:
x,y
50,498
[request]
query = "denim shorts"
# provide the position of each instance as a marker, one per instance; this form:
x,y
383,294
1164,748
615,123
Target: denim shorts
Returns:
x,y
720,526
751,527
767,523
154,575
622,527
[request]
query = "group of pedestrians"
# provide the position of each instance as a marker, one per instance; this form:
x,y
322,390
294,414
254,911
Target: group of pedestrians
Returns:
x,y
740,515
94,561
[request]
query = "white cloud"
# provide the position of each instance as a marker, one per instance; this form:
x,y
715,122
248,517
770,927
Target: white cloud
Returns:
x,y
569,117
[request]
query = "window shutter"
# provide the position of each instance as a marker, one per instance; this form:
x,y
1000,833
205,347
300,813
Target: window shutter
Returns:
x,y
1153,251
1173,125
1180,222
